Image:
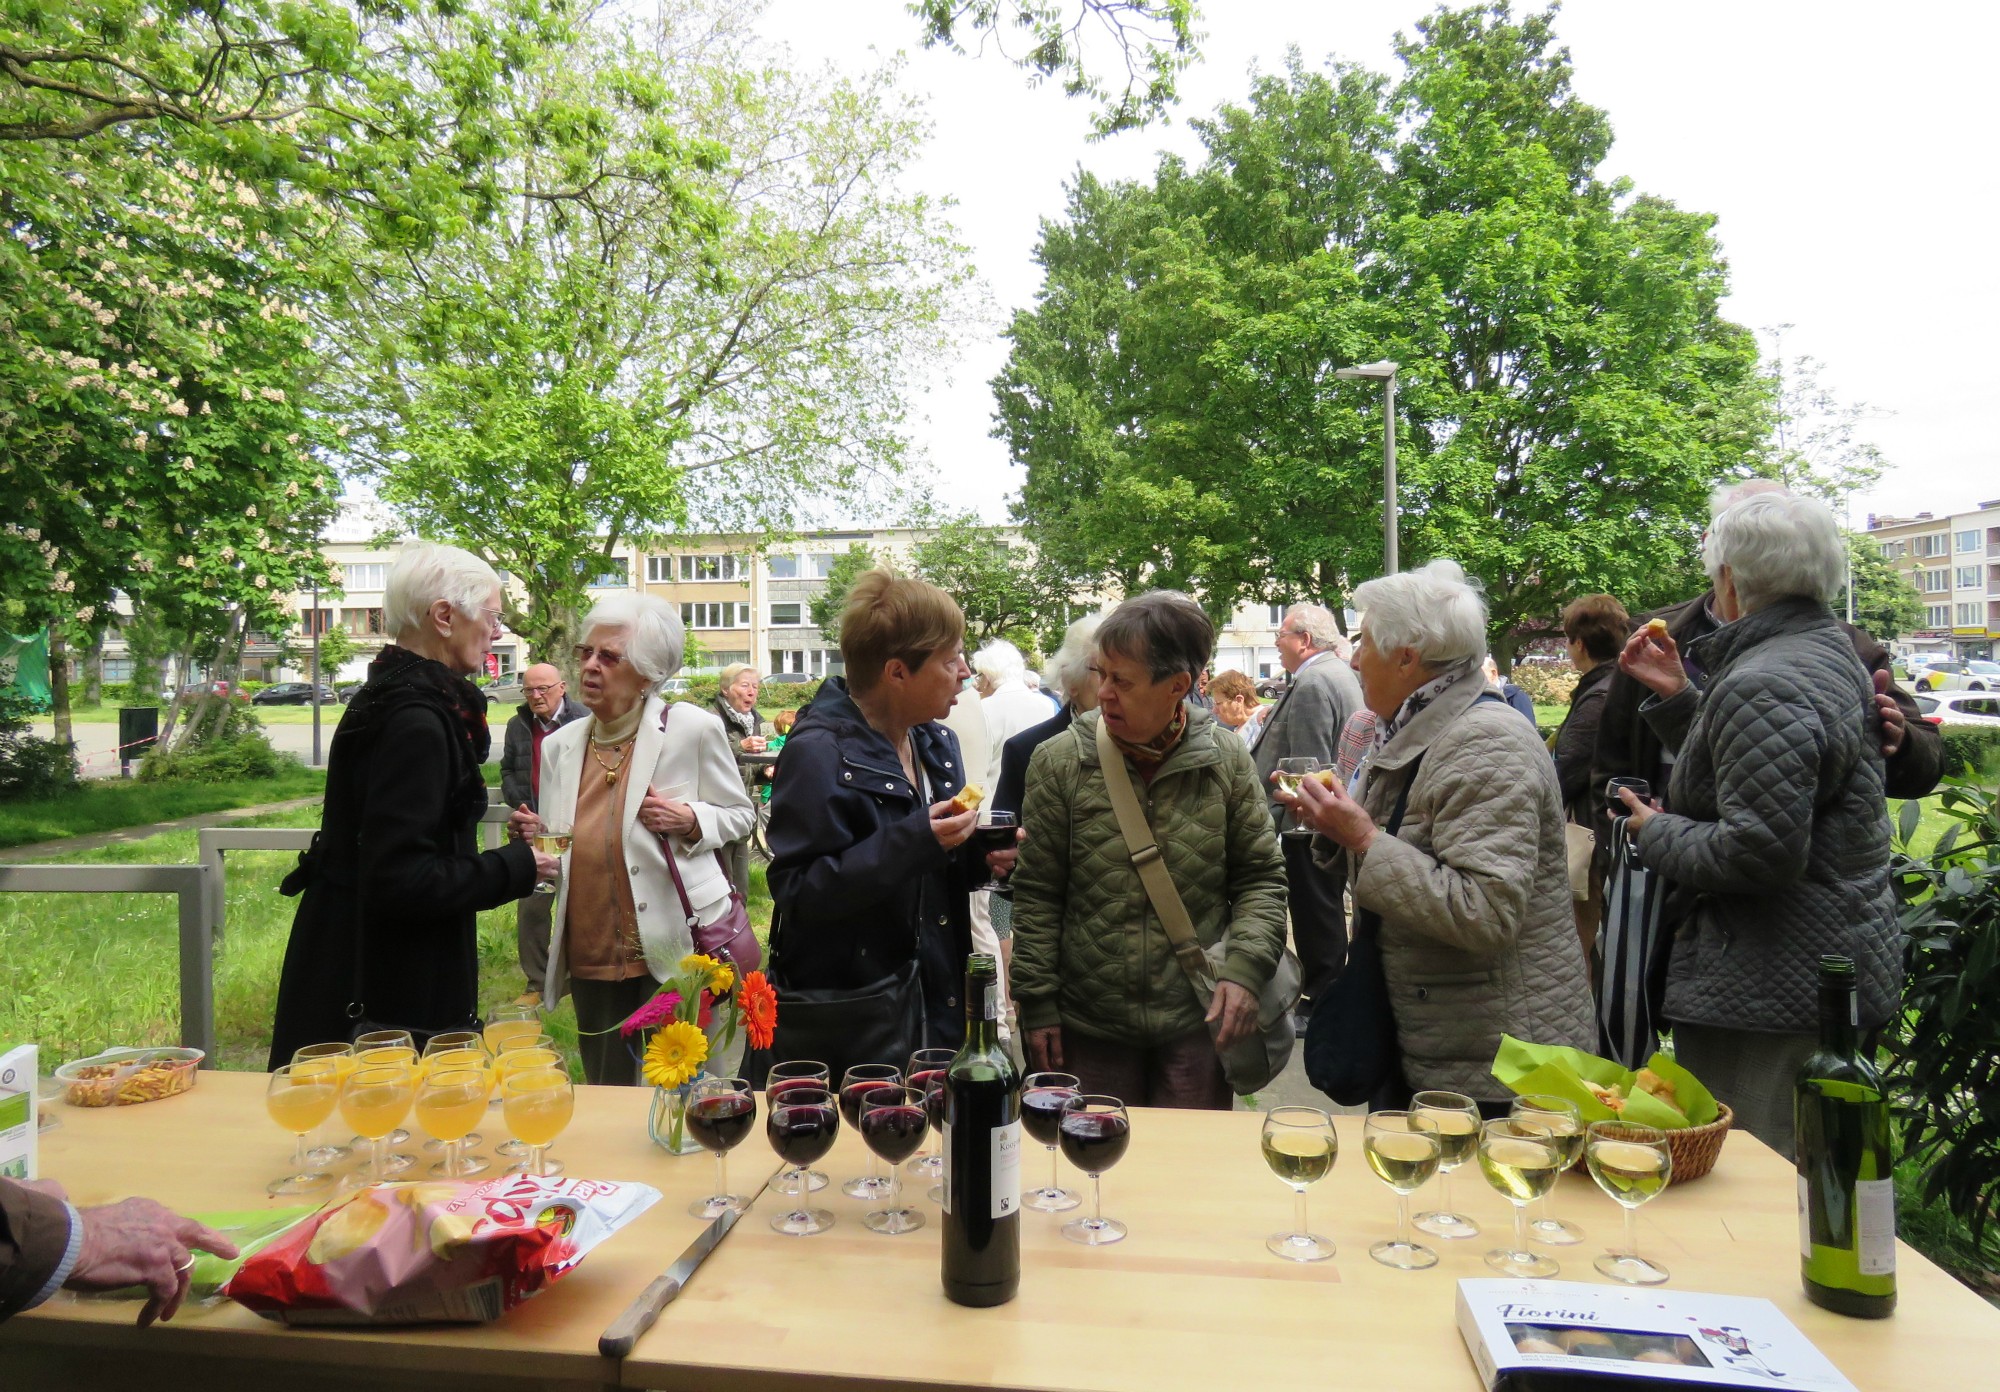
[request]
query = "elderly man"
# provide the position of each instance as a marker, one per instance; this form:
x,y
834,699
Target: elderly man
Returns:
x,y
48,1244
547,709
1306,723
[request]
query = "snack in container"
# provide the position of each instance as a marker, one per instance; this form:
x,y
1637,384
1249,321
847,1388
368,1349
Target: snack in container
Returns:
x,y
1662,1094
125,1077
464,1252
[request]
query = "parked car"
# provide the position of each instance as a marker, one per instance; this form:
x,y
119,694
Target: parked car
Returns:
x,y
676,686
505,694
789,679
1961,708
1270,688
293,694
344,694
1982,676
194,691
1941,676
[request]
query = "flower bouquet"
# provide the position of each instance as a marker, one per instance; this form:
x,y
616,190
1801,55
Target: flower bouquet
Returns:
x,y
692,1017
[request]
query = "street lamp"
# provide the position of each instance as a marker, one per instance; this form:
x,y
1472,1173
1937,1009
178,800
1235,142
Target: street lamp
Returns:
x,y
1384,372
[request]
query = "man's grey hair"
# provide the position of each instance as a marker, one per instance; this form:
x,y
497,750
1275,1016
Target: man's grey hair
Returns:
x,y
1725,496
1069,669
654,638
1434,609
999,662
1320,628
425,572
1777,546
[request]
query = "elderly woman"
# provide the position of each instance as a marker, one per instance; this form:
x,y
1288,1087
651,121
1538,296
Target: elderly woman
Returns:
x,y
395,880
736,704
1471,888
1234,698
1779,823
870,889
1099,989
638,781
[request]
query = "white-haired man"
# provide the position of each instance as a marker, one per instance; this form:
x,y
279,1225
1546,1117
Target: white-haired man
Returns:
x,y
1306,723
547,709
1004,699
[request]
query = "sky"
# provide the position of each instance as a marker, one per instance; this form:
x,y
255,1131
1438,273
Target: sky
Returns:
x,y
1848,151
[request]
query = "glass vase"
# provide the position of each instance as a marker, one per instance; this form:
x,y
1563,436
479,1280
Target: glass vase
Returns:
x,y
667,1121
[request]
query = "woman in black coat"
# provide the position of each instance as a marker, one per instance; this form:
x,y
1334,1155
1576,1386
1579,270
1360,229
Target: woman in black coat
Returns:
x,y
864,874
394,881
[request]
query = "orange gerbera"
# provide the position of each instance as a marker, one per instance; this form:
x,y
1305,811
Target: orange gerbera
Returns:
x,y
759,1004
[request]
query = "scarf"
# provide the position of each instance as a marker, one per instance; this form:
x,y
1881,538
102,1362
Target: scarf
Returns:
x,y
744,722
1417,700
605,733
1150,755
398,677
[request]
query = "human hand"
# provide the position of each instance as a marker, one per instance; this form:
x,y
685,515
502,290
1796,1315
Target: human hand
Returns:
x,y
548,868
753,745
1895,725
952,827
523,824
1045,1050
1637,811
137,1242
1001,863
1236,1011
1328,810
664,817
1653,659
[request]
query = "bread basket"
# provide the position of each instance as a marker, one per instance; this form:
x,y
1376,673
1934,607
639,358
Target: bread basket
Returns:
x,y
125,1077
1695,1148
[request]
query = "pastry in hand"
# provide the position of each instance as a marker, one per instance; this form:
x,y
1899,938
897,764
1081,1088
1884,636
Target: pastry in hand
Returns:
x,y
967,798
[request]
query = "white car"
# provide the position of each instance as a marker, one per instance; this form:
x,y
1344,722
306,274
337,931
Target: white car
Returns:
x,y
1941,675
1982,676
1961,708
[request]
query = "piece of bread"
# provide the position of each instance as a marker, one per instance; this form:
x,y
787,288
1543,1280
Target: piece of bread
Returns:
x,y
1609,1096
1325,776
969,797
1656,628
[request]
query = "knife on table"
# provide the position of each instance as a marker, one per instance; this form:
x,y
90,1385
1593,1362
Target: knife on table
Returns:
x,y
623,1332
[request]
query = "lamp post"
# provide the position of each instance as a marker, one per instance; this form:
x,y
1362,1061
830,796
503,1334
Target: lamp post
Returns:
x,y
1384,372
315,673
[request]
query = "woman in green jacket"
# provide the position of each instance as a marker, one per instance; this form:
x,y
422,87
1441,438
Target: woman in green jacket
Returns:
x,y
1099,990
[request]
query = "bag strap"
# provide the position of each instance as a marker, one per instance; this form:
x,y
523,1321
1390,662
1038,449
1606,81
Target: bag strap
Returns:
x,y
667,844
1144,852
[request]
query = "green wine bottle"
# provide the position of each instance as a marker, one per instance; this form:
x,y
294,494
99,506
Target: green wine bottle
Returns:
x,y
1847,1187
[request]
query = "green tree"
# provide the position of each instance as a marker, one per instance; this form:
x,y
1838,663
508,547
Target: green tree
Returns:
x,y
1003,589
1886,604
824,610
1815,444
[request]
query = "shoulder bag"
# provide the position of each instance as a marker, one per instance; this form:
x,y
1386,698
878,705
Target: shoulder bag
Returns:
x,y
730,936
1252,1062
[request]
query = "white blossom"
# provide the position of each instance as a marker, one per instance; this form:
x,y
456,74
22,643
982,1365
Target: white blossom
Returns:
x,y
250,511
260,582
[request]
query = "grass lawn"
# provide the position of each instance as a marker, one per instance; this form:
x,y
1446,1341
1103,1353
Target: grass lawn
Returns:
x,y
106,804
270,715
88,971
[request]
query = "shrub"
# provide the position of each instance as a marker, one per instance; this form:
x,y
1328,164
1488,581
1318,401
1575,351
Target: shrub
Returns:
x,y
1969,752
771,696
1547,683
245,753
30,767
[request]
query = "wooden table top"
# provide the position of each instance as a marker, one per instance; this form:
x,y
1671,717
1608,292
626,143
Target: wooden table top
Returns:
x,y
1191,1296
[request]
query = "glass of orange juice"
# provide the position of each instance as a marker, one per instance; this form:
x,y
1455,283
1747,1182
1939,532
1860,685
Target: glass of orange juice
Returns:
x,y
512,1022
344,1063
299,1097
537,1103
400,1047
374,1102
522,1051
457,1049
449,1103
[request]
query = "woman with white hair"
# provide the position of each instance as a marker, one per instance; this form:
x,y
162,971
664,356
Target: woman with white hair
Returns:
x,y
1451,840
395,879
639,777
1779,826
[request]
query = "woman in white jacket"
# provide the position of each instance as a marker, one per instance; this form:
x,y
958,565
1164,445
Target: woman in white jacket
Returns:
x,y
639,775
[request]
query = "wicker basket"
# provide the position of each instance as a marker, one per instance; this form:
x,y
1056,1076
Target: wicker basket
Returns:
x,y
1696,1147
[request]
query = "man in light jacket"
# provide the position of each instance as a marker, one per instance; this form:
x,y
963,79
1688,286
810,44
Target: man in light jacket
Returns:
x,y
548,708
1307,722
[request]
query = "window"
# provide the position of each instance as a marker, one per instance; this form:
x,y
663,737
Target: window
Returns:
x,y
1969,616
365,575
819,565
1275,614
1967,578
313,621
659,569
727,657
1934,581
1968,541
818,662
118,669
713,568
1893,550
787,615
1937,616
617,575
715,615
782,567
1975,705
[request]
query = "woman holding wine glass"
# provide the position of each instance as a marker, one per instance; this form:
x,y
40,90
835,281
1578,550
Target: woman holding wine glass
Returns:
x,y
649,794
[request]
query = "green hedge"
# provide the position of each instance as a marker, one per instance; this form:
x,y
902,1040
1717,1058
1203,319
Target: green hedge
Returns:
x,y
771,696
1970,750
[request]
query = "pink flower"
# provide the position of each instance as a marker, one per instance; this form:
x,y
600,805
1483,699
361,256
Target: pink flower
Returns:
x,y
653,1013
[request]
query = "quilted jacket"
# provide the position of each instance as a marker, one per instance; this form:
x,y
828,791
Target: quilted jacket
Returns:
x,y
1089,952
1780,825
1478,937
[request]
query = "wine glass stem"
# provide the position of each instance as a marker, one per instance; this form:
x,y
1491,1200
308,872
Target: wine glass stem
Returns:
x,y
299,1160
1299,1208
1521,1229
1402,1218
451,1154
721,1173
538,1160
375,1156
1096,1200
1444,1191
1055,1174
1631,1233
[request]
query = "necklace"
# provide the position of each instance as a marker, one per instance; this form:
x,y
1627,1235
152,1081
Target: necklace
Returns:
x,y
611,771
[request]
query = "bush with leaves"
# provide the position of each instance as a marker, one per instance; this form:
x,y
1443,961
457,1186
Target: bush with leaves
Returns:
x,y
1546,683
237,749
30,767
1946,1043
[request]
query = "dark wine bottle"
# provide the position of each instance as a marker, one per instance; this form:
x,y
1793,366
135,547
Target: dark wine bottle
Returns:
x,y
982,1153
1847,1188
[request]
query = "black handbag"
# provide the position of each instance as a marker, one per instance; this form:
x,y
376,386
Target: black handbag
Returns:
x,y
1350,1046
882,1022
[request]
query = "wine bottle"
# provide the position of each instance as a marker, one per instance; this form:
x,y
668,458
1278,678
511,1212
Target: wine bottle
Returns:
x,y
1847,1188
982,1153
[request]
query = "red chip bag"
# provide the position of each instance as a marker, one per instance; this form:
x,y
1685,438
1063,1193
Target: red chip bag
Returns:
x,y
415,1253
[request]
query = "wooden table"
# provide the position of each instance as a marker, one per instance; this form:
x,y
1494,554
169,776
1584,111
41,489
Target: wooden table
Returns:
x,y
1189,1299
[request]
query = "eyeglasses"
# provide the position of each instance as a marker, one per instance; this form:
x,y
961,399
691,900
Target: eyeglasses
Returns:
x,y
541,690
610,657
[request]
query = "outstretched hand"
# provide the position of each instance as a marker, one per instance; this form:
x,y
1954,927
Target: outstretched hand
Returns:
x,y
1653,659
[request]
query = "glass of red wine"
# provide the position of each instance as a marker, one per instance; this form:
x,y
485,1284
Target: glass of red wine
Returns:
x,y
801,1123
893,1123
1043,1096
926,1073
799,1073
995,831
720,1113
1093,1134
855,1084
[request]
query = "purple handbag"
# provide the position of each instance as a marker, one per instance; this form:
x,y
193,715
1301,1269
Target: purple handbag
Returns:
x,y
730,937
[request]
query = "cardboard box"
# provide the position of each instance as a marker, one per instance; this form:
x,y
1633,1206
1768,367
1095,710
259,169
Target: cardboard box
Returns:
x,y
19,1113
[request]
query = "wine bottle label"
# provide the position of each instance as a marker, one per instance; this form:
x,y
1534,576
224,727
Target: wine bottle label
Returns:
x,y
1007,1170
1805,1219
944,1180
1875,1226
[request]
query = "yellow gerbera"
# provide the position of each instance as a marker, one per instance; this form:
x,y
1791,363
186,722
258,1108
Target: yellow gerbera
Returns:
x,y
721,979
675,1054
699,962
718,976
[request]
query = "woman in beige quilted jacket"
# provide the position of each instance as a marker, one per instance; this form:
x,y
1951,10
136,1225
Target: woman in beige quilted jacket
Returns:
x,y
1473,887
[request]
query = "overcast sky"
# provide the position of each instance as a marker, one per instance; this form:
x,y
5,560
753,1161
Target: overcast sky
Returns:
x,y
1847,149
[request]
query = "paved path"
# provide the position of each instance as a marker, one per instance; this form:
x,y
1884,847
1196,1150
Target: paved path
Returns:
x,y
42,850
97,741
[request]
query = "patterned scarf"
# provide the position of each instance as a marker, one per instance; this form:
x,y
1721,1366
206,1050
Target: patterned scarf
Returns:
x,y
1150,755
1417,700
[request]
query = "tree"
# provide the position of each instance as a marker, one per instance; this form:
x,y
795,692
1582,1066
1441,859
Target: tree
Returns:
x,y
1815,445
336,647
700,312
1153,40
1886,604
1003,589
824,610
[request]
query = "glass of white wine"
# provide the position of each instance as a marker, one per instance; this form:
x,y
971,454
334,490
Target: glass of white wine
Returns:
x,y
1300,1147
551,840
1456,1118
1292,772
1632,1164
1560,1118
1403,1150
1521,1160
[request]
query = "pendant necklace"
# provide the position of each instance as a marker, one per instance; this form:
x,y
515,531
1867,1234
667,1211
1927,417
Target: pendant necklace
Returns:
x,y
611,770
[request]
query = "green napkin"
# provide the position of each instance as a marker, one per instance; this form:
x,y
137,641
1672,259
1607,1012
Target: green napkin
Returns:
x,y
1559,1070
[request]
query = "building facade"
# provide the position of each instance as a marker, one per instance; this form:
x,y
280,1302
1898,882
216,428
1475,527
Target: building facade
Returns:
x,y
1954,561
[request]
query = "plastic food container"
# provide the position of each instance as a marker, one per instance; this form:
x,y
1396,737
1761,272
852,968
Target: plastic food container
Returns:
x,y
123,1077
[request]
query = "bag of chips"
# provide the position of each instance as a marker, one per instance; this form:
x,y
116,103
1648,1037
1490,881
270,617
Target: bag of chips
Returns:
x,y
466,1251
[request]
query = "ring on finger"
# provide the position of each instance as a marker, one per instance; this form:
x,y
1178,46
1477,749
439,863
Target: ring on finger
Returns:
x,y
185,1267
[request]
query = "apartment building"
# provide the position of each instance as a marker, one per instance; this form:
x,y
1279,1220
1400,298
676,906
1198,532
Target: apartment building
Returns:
x,y
1954,561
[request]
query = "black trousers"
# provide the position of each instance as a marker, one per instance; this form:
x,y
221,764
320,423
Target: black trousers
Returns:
x,y
1319,926
600,1005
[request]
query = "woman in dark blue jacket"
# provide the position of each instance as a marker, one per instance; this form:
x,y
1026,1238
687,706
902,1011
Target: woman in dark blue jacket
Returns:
x,y
866,873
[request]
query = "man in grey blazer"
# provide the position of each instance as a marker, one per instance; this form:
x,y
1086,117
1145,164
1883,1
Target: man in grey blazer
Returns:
x,y
1322,694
